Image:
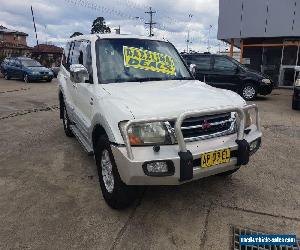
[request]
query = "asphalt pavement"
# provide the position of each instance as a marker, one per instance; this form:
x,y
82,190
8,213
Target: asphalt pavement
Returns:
x,y
50,197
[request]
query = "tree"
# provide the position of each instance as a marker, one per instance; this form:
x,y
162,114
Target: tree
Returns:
x,y
99,26
76,33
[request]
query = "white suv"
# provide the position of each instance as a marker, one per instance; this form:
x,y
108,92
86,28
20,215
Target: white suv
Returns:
x,y
133,104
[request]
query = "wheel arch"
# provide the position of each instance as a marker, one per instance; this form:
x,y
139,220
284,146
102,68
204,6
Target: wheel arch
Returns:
x,y
98,131
250,80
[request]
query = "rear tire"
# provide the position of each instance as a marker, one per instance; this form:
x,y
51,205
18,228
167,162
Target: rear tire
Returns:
x,y
115,192
26,78
67,123
249,92
228,173
6,76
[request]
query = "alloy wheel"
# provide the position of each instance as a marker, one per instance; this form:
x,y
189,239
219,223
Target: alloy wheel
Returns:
x,y
249,92
26,80
107,171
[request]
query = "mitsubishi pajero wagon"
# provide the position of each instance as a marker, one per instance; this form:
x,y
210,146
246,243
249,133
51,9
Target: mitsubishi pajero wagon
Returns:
x,y
133,103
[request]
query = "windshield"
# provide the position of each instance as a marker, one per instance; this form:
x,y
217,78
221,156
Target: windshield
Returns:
x,y
128,60
30,63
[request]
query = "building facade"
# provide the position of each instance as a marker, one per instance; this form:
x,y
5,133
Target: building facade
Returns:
x,y
267,32
48,55
13,43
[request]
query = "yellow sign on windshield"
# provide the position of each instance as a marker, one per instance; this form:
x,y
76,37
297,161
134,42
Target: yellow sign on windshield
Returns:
x,y
148,60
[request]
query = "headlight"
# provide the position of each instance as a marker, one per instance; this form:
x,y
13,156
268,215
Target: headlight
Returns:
x,y
266,81
34,72
149,133
297,83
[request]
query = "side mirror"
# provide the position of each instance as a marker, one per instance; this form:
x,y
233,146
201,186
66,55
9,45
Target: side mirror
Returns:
x,y
193,68
78,73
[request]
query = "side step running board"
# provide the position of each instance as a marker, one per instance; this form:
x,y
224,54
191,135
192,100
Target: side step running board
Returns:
x,y
82,140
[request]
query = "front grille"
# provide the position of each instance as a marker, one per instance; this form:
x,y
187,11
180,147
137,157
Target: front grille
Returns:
x,y
198,128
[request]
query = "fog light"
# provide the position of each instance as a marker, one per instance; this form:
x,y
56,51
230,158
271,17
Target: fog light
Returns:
x,y
158,168
255,145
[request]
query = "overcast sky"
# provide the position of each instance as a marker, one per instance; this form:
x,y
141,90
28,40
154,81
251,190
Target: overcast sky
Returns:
x,y
57,19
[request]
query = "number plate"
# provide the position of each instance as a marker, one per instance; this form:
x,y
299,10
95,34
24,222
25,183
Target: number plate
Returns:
x,y
215,158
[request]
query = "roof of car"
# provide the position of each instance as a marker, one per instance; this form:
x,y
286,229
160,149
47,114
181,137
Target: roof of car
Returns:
x,y
94,37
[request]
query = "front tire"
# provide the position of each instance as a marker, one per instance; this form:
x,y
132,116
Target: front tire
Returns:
x,y
295,106
115,192
67,123
249,91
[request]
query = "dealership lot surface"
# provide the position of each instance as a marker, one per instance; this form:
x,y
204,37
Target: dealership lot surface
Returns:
x,y
50,197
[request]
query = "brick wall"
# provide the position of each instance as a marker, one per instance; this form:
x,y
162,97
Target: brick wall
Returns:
x,y
17,39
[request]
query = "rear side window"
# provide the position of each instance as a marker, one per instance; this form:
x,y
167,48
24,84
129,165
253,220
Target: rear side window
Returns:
x,y
80,53
223,64
75,57
202,62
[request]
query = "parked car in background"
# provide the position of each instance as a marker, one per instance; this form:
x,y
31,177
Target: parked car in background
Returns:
x,y
296,95
4,65
225,72
25,68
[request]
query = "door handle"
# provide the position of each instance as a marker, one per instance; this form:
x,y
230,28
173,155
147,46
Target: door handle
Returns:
x,y
92,101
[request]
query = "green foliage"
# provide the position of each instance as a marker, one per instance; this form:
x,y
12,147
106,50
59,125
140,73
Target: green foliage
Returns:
x,y
99,26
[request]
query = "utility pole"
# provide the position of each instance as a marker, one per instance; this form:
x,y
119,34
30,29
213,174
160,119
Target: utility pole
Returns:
x,y
188,34
208,39
36,37
151,23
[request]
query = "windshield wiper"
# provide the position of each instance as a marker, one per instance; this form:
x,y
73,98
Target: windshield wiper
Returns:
x,y
183,78
145,79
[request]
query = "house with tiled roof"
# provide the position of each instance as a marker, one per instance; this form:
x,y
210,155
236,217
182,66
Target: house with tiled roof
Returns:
x,y
13,43
47,54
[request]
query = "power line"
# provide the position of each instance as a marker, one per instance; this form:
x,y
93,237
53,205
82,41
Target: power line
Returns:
x,y
150,23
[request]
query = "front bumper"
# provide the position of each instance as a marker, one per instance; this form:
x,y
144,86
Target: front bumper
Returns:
x,y
130,160
40,77
265,89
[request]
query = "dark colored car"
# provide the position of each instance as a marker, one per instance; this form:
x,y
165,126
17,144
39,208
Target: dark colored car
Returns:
x,y
296,95
225,72
26,69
